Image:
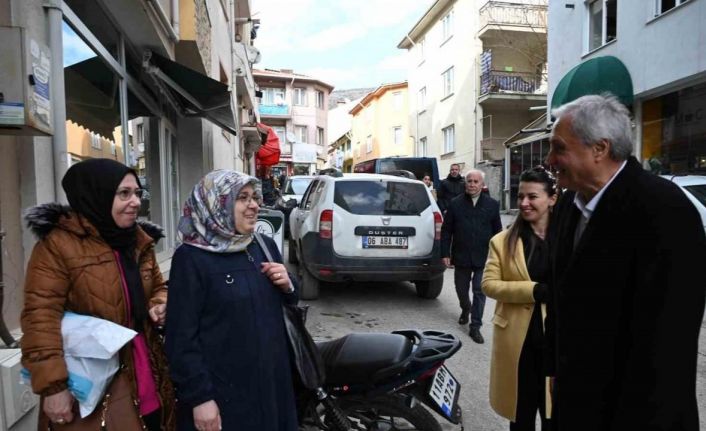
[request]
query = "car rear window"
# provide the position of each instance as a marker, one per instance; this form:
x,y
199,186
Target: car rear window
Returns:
x,y
699,192
381,197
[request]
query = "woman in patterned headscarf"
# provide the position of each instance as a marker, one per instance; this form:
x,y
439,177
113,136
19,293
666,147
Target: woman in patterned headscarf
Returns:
x,y
226,340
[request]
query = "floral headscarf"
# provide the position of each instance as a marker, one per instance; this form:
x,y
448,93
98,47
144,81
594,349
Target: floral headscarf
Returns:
x,y
208,221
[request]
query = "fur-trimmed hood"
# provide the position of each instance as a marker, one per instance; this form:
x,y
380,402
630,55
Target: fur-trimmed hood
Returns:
x,y
42,219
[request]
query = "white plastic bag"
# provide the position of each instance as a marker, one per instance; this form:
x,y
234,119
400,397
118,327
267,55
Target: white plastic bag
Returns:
x,y
91,348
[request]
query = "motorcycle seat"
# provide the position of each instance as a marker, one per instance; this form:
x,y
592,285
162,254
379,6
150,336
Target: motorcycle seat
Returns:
x,y
355,358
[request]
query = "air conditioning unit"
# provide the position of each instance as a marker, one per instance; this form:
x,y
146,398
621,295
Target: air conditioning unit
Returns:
x,y
18,405
25,84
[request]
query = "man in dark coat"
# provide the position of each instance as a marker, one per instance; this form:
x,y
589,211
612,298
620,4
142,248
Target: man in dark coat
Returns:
x,y
471,220
627,300
450,187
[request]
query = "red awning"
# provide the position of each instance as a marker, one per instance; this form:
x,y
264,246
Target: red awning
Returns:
x,y
268,154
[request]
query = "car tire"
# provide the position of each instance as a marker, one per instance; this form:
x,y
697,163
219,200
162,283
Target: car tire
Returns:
x,y
292,253
310,285
429,289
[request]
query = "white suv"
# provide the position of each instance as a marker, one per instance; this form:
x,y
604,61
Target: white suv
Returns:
x,y
367,227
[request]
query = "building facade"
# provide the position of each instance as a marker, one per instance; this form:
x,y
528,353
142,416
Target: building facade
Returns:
x,y
340,123
380,124
164,86
296,107
661,44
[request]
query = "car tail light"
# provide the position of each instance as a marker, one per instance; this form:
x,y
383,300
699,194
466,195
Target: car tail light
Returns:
x,y
438,220
326,224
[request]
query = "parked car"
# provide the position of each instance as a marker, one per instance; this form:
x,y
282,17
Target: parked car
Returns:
x,y
367,227
419,166
292,193
694,186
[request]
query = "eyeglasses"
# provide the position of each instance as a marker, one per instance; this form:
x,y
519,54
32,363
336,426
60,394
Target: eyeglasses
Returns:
x,y
247,199
126,194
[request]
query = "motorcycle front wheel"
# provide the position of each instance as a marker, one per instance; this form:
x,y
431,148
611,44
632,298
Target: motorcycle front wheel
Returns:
x,y
387,413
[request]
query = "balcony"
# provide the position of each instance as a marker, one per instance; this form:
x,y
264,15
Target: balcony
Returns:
x,y
514,90
530,16
274,111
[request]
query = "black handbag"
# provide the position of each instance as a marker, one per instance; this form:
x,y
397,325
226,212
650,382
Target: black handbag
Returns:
x,y
307,358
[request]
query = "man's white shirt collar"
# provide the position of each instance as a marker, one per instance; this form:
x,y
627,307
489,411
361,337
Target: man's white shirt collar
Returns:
x,y
588,208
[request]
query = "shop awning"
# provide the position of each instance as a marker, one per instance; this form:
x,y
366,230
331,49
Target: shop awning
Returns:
x,y
92,99
194,94
595,76
269,152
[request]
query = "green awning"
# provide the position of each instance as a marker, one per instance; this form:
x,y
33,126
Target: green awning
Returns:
x,y
595,76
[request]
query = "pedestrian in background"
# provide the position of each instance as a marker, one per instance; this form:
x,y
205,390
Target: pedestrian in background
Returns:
x,y
470,221
93,258
450,187
516,276
225,336
628,253
430,185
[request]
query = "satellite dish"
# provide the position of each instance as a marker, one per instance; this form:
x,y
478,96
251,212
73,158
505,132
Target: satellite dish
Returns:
x,y
253,54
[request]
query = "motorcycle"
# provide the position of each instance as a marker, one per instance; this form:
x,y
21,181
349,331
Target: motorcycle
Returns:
x,y
380,381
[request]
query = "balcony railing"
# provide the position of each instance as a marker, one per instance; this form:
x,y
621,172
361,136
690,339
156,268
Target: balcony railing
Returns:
x,y
527,14
497,81
273,109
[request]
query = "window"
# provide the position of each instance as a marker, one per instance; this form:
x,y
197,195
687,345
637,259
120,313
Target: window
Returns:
x,y
369,144
447,24
320,136
381,197
422,99
449,145
95,141
301,133
602,16
397,100
273,96
663,6
448,82
299,98
319,99
397,135
422,149
281,133
420,50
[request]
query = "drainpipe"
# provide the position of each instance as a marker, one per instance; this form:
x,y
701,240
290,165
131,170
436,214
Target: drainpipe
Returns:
x,y
59,146
164,19
5,335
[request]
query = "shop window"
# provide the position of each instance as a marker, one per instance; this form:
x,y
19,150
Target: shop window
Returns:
x,y
523,157
674,132
602,17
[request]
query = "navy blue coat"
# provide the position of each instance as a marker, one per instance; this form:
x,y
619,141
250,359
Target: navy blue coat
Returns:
x,y
226,340
467,229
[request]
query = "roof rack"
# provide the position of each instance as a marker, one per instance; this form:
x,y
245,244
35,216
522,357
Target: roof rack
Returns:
x,y
332,172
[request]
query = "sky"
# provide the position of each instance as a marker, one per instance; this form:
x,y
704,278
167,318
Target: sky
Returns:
x,y
345,43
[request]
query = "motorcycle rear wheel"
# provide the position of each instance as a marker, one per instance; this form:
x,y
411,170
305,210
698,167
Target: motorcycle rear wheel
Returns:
x,y
388,413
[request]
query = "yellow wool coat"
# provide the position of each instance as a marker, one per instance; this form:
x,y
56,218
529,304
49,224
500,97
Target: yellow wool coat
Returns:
x,y
507,280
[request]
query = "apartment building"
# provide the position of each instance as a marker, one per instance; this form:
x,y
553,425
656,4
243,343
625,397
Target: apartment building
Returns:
x,y
163,86
380,124
340,123
296,107
650,53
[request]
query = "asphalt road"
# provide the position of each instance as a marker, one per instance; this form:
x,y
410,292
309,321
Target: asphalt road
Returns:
x,y
384,307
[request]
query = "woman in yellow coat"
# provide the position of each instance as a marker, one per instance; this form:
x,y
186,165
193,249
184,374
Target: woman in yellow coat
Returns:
x,y
515,276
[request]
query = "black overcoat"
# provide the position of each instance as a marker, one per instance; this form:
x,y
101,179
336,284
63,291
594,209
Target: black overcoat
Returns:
x,y
226,340
467,229
626,308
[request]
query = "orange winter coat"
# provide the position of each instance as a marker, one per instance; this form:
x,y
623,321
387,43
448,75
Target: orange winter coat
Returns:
x,y
73,269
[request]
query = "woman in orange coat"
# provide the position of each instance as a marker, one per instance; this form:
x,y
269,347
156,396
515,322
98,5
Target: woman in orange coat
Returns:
x,y
515,276
94,258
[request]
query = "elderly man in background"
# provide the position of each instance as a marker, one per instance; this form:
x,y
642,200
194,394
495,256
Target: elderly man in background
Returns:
x,y
471,219
627,301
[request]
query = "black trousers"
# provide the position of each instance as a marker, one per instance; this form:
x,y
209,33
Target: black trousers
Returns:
x,y
530,389
465,279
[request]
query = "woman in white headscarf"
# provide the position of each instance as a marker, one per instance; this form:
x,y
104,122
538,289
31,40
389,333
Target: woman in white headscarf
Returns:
x,y
225,335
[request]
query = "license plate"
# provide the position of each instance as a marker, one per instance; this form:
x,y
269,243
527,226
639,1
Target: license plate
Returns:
x,y
384,242
444,390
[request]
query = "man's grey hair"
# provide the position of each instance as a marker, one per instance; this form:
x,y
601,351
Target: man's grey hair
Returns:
x,y
598,117
475,171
